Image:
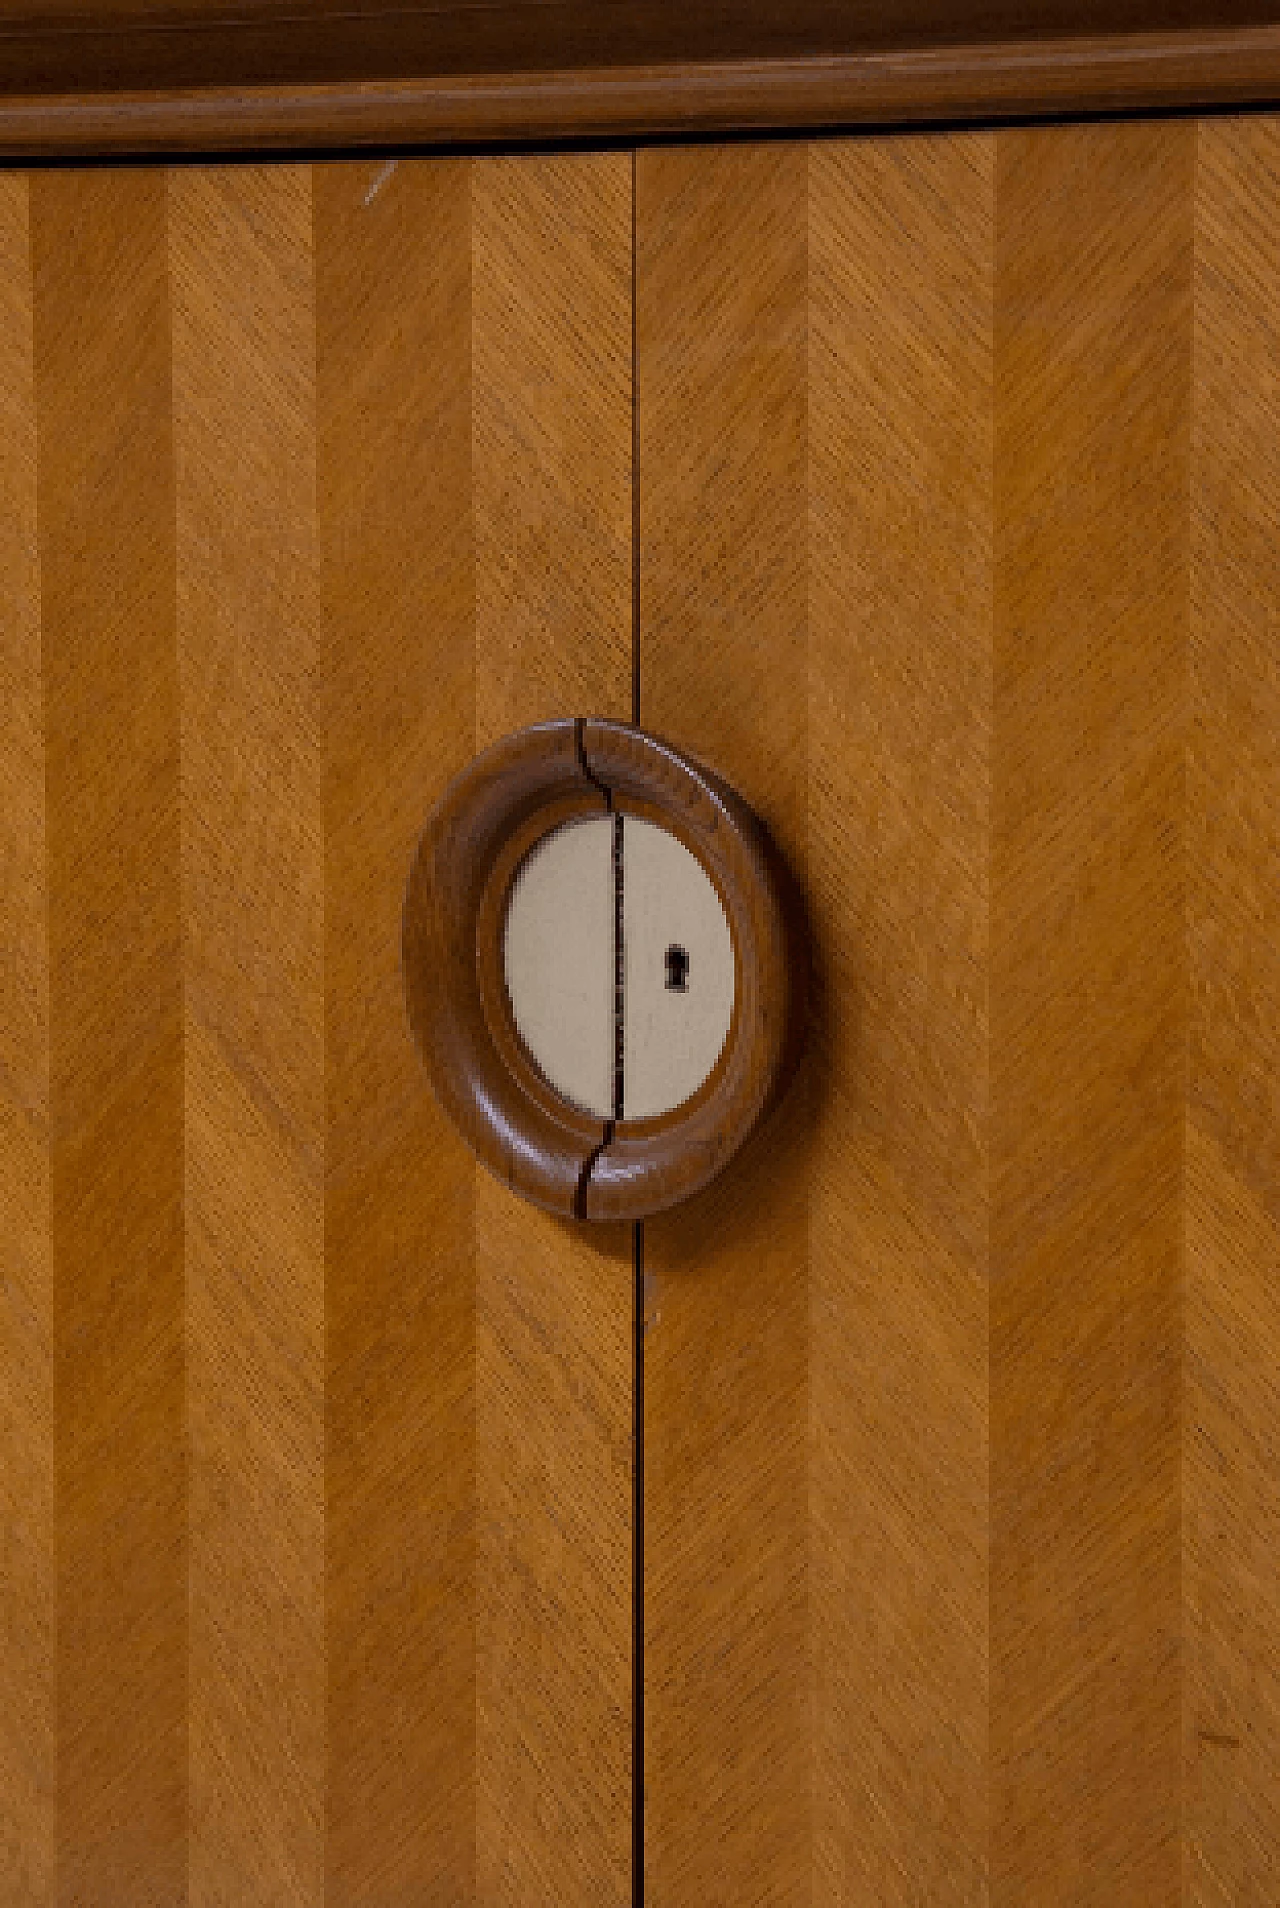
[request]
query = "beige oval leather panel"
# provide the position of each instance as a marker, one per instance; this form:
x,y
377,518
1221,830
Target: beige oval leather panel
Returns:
x,y
678,975
558,959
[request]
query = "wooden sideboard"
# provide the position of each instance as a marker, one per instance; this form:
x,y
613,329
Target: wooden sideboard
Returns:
x,y
927,486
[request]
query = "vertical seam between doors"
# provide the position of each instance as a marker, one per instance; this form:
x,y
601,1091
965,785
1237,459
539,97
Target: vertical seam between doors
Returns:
x,y
637,1231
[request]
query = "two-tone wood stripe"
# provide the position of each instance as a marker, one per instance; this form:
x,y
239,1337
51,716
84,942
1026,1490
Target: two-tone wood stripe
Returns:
x,y
1088,1004
116,1065
899,370
393,321
253,917
28,1594
1231,1454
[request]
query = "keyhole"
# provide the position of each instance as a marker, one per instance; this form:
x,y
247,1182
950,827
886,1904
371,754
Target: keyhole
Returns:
x,y
677,971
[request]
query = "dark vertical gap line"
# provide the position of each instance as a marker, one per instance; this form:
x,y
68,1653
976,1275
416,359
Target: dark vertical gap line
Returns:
x,y
635,441
637,1515
619,973
637,1231
990,1085
1186,1057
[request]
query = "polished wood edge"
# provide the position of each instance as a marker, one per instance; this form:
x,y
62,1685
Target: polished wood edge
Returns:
x,y
945,84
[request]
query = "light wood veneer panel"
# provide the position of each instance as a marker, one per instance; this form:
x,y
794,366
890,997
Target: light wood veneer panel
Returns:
x,y
1088,1001
112,841
393,299
901,271
551,430
28,1729
253,908
1232,1453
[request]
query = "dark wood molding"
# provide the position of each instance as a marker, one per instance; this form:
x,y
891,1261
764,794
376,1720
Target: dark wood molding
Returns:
x,y
176,76
545,1149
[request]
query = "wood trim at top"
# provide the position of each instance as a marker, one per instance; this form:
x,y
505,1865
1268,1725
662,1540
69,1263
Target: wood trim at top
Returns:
x,y
189,76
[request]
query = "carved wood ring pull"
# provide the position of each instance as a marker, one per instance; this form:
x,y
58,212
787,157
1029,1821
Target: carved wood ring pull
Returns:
x,y
503,806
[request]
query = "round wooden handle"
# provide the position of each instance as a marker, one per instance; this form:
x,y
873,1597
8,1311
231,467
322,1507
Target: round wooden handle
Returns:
x,y
487,822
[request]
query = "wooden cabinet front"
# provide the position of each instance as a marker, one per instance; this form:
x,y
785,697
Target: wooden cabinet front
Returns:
x,y
926,487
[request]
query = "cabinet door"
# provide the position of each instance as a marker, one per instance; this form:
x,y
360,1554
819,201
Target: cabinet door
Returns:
x,y
959,472
315,1459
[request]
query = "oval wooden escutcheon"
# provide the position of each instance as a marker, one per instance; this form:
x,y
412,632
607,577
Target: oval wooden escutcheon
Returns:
x,y
489,819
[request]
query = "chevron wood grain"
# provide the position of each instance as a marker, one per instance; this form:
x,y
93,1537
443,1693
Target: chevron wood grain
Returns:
x,y
254,916
393,353
901,271
551,409
105,499
1231,1456
28,1553
1088,1002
